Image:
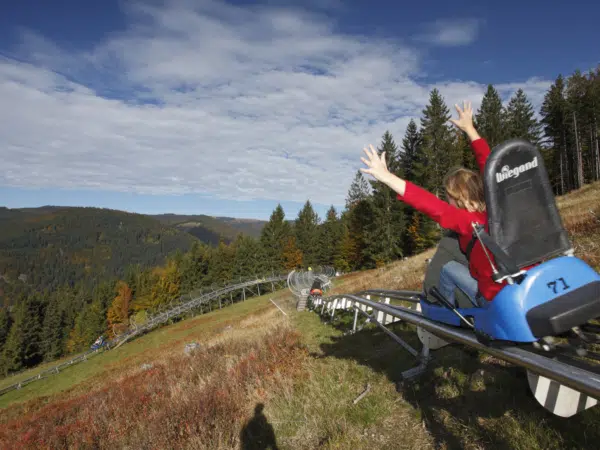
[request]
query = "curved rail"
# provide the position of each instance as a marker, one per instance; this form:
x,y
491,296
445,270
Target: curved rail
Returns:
x,y
300,281
196,301
192,304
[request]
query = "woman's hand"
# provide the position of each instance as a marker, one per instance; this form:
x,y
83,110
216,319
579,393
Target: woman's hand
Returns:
x,y
465,120
378,168
377,165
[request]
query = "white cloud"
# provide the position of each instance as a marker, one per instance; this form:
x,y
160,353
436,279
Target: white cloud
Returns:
x,y
452,32
202,97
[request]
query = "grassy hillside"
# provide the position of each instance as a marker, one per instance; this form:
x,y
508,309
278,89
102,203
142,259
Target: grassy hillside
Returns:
x,y
295,380
251,227
47,247
211,229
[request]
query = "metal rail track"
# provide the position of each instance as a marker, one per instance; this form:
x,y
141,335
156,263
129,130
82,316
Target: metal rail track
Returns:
x,y
580,376
154,321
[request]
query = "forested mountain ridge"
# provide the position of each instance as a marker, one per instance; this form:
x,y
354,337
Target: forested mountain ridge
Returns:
x,y
211,229
44,248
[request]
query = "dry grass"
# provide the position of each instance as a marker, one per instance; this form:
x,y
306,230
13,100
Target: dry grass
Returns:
x,y
320,412
575,207
197,401
406,274
580,211
241,319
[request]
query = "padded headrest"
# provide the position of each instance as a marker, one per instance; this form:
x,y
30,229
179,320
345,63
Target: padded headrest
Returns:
x,y
522,213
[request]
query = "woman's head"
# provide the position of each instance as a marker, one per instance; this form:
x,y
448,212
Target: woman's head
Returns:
x,y
464,189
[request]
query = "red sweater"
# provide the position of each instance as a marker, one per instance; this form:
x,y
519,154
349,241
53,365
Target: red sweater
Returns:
x,y
459,220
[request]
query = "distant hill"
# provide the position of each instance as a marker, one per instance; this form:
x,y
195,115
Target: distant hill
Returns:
x,y
43,248
46,247
210,229
251,227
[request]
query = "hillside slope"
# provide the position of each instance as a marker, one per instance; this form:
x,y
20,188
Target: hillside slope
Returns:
x,y
210,229
44,248
300,380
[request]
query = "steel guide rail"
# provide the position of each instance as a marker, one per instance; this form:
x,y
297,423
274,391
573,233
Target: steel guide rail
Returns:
x,y
48,372
576,378
151,323
194,303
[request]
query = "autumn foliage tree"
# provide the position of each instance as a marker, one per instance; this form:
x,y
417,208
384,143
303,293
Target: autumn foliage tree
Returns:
x,y
167,283
292,255
118,313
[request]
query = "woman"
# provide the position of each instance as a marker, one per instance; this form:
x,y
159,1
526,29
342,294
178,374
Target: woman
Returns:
x,y
465,207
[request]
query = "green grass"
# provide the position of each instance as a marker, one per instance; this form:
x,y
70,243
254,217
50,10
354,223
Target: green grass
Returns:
x,y
320,411
464,400
134,353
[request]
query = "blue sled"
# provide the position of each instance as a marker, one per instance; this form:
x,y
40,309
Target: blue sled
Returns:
x,y
552,298
524,227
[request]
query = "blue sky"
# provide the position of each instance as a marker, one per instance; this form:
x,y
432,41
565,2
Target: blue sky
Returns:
x,y
227,108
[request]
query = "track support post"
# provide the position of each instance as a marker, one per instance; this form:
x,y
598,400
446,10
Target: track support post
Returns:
x,y
355,318
423,357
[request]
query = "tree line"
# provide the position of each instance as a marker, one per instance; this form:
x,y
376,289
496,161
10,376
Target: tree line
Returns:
x,y
373,229
47,323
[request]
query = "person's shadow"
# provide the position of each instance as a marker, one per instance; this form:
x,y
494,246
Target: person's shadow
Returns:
x,y
258,433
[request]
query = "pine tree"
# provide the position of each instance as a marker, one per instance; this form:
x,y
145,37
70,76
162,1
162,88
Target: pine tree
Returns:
x,y
343,256
554,120
413,235
439,150
410,148
94,321
358,217
273,238
520,119
413,170
359,191
463,146
489,119
77,339
576,106
384,237
437,155
72,300
194,267
132,275
307,236
5,324
248,258
220,268
583,105
330,238
422,235
53,330
593,95
23,344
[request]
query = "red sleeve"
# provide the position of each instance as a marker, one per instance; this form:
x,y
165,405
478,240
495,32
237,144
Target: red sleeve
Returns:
x,y
446,215
482,151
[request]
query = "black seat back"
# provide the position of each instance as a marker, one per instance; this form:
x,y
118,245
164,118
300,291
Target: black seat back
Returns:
x,y
522,213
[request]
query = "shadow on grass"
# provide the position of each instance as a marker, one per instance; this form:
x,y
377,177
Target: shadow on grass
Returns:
x,y
465,399
258,433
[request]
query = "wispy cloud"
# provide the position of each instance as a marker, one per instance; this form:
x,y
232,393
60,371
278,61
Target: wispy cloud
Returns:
x,y
203,97
452,32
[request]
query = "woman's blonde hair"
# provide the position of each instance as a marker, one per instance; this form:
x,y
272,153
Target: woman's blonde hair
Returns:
x,y
465,187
